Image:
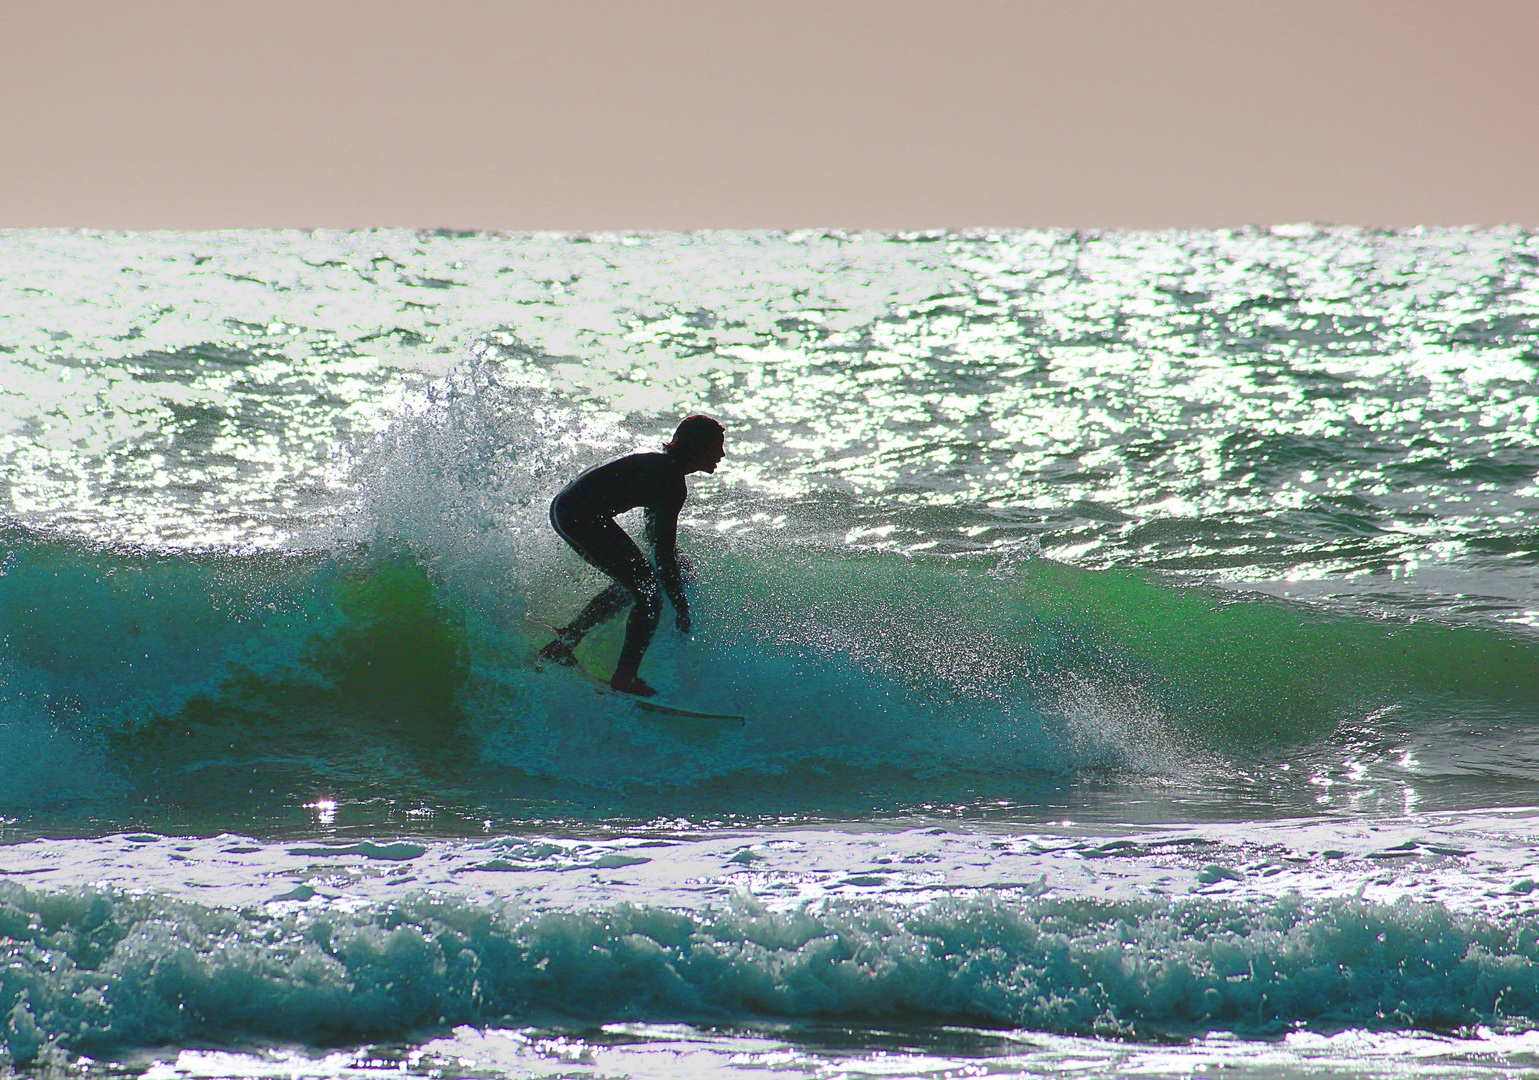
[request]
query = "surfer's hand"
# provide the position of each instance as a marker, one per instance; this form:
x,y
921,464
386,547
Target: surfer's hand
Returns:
x,y
682,618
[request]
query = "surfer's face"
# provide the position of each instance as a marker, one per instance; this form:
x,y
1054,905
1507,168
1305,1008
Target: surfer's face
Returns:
x,y
707,456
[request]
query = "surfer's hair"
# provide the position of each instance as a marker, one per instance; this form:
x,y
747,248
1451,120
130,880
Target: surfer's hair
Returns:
x,y
694,432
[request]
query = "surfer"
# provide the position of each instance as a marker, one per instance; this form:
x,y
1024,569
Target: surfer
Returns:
x,y
583,515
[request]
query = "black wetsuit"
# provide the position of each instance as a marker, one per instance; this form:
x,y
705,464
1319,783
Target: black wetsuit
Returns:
x,y
583,514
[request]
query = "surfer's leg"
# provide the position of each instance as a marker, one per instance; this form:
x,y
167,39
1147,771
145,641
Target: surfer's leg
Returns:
x,y
607,547
639,629
607,603
636,582
560,650
610,548
587,537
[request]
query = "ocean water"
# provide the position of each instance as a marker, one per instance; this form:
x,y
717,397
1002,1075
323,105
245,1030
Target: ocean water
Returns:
x,y
1138,635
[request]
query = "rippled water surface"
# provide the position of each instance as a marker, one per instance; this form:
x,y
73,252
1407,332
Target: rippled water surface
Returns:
x,y
1136,631
1250,405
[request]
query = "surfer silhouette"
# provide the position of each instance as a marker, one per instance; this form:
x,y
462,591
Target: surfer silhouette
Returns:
x,y
583,515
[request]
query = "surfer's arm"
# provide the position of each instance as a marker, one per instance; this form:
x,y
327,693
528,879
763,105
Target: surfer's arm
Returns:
x,y
662,530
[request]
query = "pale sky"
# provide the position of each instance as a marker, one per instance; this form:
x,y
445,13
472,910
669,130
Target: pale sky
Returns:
x,y
588,115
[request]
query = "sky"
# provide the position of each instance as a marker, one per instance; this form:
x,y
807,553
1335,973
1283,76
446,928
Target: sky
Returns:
x,y
611,115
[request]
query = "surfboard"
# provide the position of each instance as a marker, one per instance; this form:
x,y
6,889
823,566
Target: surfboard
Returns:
x,y
701,720
655,707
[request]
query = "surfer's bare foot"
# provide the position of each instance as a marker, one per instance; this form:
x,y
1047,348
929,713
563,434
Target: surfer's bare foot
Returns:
x,y
631,684
559,652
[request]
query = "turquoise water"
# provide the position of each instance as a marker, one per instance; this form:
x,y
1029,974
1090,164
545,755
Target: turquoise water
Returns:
x,y
1136,633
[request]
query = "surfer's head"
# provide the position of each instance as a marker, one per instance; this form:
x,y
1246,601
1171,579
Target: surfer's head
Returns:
x,y
698,443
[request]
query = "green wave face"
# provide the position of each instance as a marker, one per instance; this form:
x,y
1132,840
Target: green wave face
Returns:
x,y
1241,666
871,682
